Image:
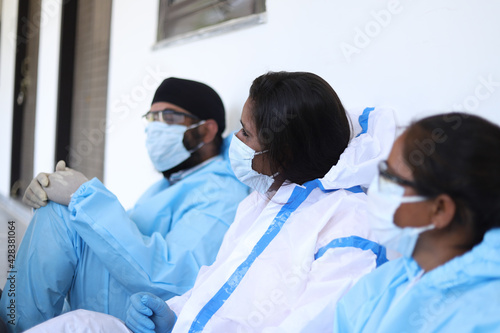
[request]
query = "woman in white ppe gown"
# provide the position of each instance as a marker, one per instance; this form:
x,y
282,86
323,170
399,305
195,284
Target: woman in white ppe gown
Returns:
x,y
302,239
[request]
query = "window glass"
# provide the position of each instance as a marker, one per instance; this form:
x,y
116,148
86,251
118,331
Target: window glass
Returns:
x,y
181,17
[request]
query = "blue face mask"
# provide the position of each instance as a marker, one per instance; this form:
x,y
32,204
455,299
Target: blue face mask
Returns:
x,y
384,198
165,145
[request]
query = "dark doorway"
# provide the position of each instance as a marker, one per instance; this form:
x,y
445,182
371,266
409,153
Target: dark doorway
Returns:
x,y
66,79
25,84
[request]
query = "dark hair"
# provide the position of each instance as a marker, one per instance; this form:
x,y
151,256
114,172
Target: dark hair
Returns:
x,y
301,122
458,154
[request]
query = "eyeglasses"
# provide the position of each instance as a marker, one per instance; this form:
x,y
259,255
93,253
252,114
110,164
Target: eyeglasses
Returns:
x,y
386,175
168,116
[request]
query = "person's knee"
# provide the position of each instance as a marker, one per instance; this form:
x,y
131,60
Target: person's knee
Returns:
x,y
51,223
52,208
82,321
53,213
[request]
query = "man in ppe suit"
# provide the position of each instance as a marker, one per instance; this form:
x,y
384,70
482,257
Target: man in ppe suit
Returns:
x,y
94,254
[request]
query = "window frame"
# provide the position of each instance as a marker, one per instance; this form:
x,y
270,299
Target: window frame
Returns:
x,y
198,8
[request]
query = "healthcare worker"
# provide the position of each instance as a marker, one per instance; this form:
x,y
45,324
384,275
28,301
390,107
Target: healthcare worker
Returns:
x,y
302,238
95,254
437,202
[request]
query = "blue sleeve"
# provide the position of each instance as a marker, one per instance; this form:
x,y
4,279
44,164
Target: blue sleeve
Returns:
x,y
341,321
369,299
349,311
164,266
471,307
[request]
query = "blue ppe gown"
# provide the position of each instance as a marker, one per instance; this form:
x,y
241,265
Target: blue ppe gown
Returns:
x,y
463,295
97,254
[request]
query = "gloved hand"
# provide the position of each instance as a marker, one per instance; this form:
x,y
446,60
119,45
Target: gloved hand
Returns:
x,y
148,314
63,183
35,195
58,186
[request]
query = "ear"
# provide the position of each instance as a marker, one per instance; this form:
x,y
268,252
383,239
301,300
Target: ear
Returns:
x,y
209,130
443,211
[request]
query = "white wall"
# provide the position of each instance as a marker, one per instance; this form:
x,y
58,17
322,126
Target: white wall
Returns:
x,y
418,57
48,76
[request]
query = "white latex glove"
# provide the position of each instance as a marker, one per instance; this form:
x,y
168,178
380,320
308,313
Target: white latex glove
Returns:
x,y
58,186
63,183
35,195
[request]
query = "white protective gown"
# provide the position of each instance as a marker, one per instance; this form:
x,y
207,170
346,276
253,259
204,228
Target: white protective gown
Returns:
x,y
280,265
285,262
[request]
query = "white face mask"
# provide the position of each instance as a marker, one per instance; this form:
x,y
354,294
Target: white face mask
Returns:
x,y
384,198
241,157
165,147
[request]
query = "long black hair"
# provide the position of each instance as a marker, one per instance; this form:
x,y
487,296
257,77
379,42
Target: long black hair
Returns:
x,y
301,122
458,154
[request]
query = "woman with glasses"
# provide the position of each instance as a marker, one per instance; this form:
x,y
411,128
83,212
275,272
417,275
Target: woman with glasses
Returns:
x,y
436,201
302,238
